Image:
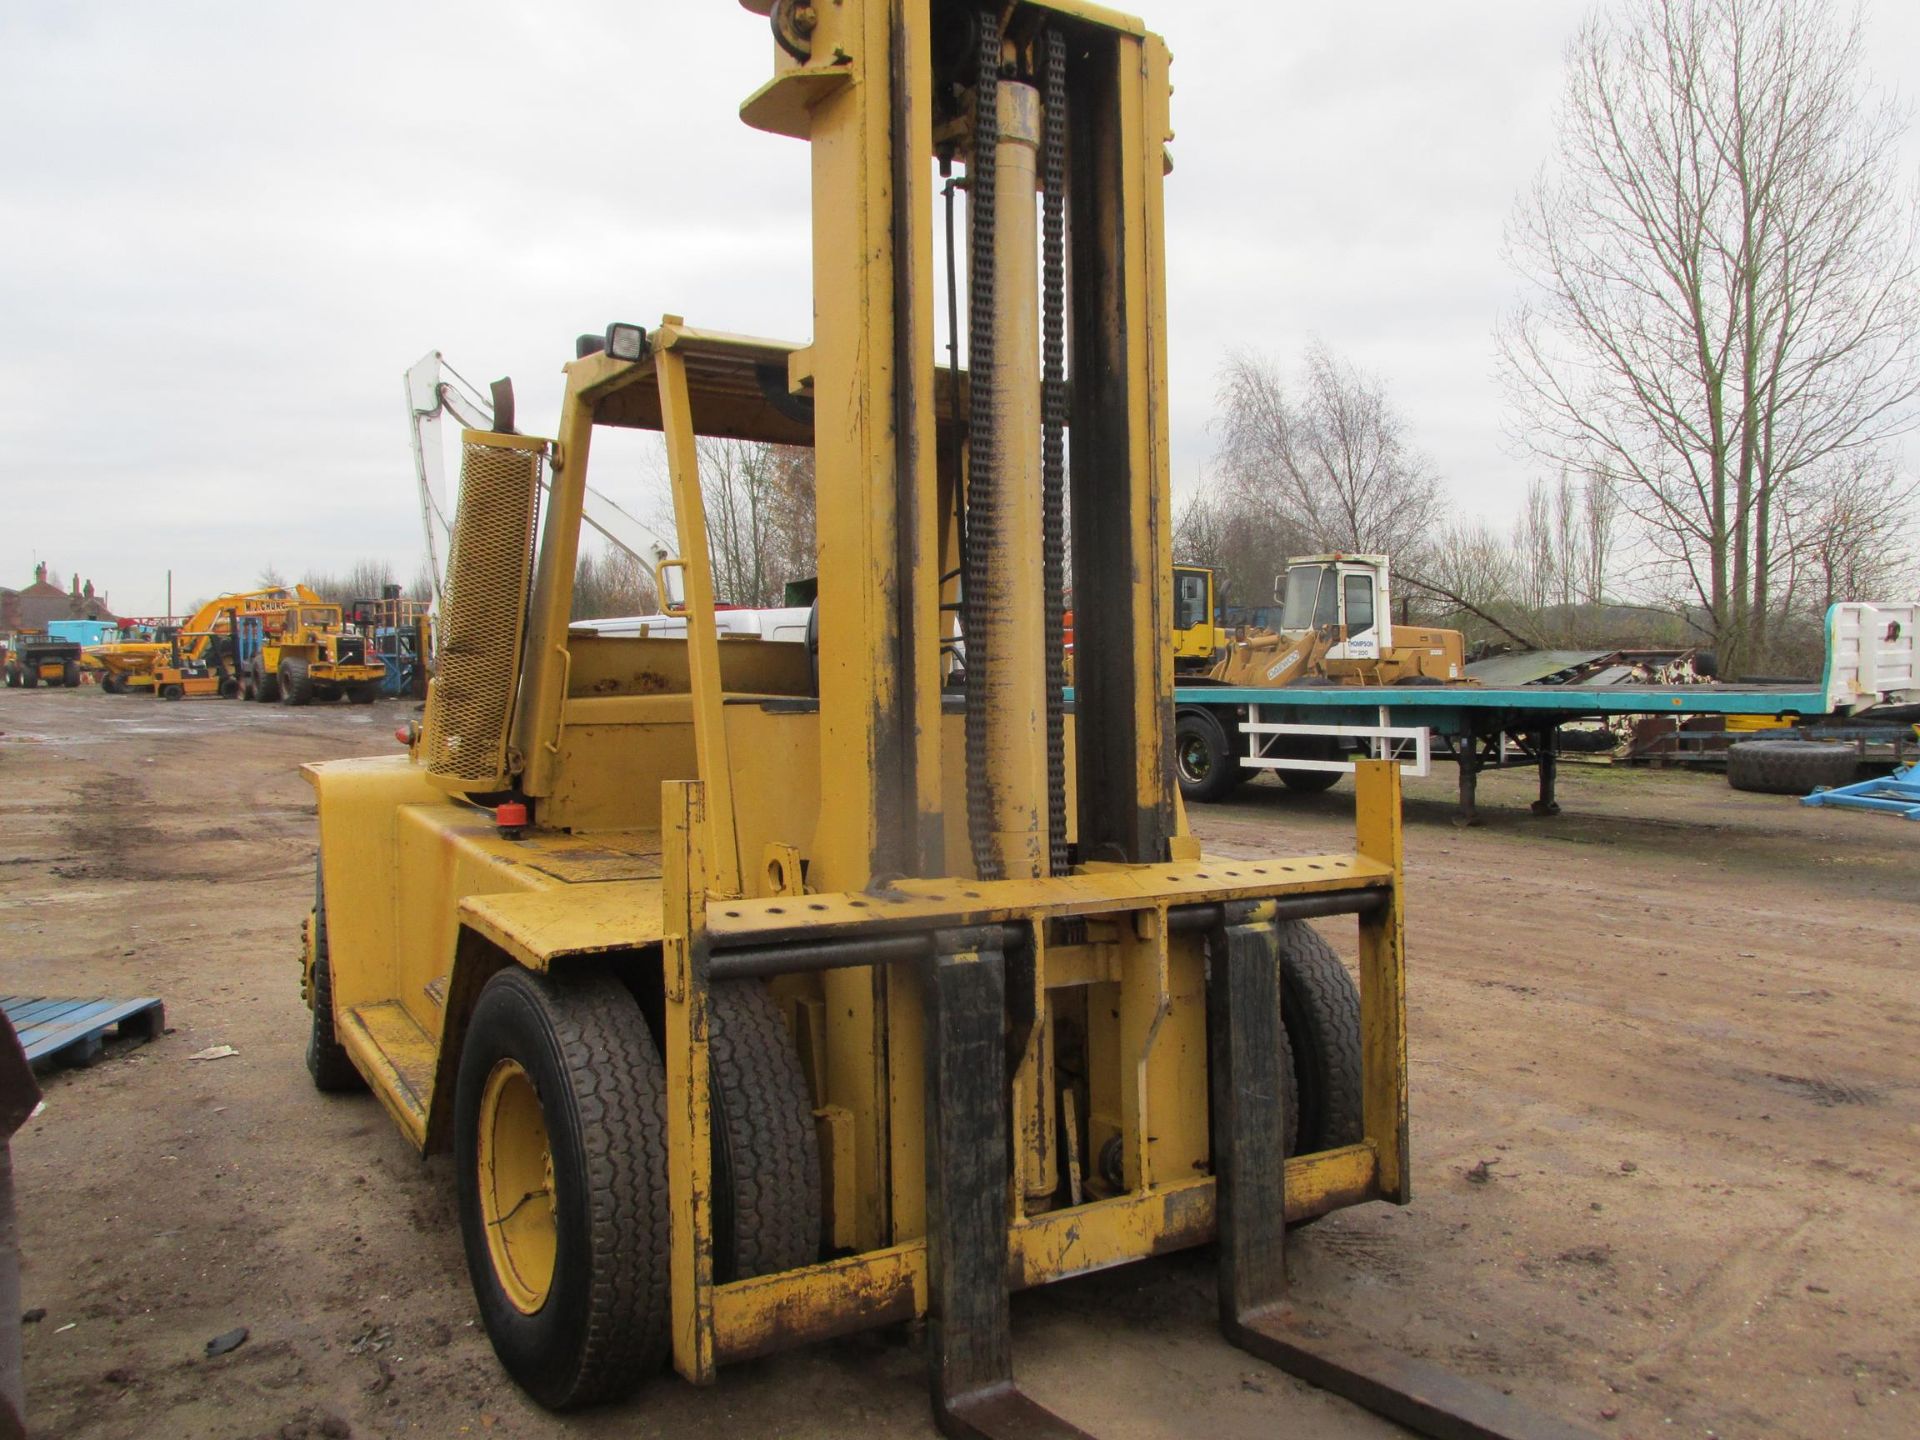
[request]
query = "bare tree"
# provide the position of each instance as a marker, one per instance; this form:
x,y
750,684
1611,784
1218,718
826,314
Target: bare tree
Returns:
x,y
609,581
1244,541
1332,460
1599,514
1470,575
760,517
1726,283
1851,534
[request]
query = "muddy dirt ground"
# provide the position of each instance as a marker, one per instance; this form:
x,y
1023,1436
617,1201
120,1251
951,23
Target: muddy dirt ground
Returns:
x,y
1676,1030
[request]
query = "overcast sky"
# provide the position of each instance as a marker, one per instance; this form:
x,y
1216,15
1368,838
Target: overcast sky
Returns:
x,y
227,228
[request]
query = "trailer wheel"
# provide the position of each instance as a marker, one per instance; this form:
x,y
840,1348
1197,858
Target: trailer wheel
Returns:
x,y
70,675
327,1059
560,1151
766,1158
1790,767
1311,782
1203,760
295,686
1320,1010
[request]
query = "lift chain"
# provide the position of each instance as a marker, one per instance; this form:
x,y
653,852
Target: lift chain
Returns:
x,y
979,595
1053,412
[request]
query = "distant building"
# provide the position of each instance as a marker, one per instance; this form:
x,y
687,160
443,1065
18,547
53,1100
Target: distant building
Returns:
x,y
40,603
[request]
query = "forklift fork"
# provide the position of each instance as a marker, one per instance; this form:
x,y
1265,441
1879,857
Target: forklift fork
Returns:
x,y
970,1349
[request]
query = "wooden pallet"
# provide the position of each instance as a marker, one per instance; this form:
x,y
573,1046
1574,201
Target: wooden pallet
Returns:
x,y
71,1032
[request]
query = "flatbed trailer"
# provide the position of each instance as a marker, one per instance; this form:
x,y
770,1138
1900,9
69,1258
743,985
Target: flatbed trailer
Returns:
x,y
1313,733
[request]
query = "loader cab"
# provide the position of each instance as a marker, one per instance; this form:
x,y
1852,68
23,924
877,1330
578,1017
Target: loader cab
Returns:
x,y
1343,594
1196,638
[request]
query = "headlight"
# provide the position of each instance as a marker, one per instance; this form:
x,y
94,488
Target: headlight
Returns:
x,y
626,342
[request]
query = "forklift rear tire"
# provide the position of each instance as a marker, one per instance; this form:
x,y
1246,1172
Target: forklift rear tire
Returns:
x,y
560,1153
766,1158
1203,760
70,675
1320,1010
172,692
295,688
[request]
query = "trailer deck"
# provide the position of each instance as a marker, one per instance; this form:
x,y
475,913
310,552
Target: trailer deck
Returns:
x,y
1870,660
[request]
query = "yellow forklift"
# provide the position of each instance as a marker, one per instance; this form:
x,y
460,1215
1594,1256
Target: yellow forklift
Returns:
x,y
768,991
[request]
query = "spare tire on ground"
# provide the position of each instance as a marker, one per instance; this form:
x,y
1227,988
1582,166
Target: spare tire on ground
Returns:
x,y
1790,767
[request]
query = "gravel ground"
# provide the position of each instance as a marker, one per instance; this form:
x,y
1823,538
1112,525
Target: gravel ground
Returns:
x,y
1674,1029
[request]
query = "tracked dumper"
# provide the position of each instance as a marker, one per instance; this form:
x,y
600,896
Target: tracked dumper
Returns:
x,y
762,996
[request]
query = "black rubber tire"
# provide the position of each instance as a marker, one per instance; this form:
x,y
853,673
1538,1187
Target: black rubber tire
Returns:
x,y
1320,1008
70,675
585,1046
295,687
1312,782
766,1154
1706,664
110,685
266,688
229,689
364,694
173,692
327,1059
324,694
30,676
1204,762
1790,767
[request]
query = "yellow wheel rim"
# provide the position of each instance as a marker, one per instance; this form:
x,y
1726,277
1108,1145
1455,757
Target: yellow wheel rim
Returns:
x,y
516,1186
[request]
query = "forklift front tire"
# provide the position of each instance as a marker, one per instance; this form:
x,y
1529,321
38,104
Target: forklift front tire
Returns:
x,y
560,1155
1320,1010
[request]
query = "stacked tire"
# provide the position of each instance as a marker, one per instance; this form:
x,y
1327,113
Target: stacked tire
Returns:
x,y
1790,767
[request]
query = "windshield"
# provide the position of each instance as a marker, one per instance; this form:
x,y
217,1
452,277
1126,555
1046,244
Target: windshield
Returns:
x,y
1189,599
1303,597
321,617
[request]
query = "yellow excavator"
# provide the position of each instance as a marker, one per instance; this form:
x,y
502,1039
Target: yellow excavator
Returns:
x,y
196,656
765,991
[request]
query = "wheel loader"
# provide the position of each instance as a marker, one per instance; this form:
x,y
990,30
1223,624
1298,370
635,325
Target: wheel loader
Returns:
x,y
1337,628
305,653
762,997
